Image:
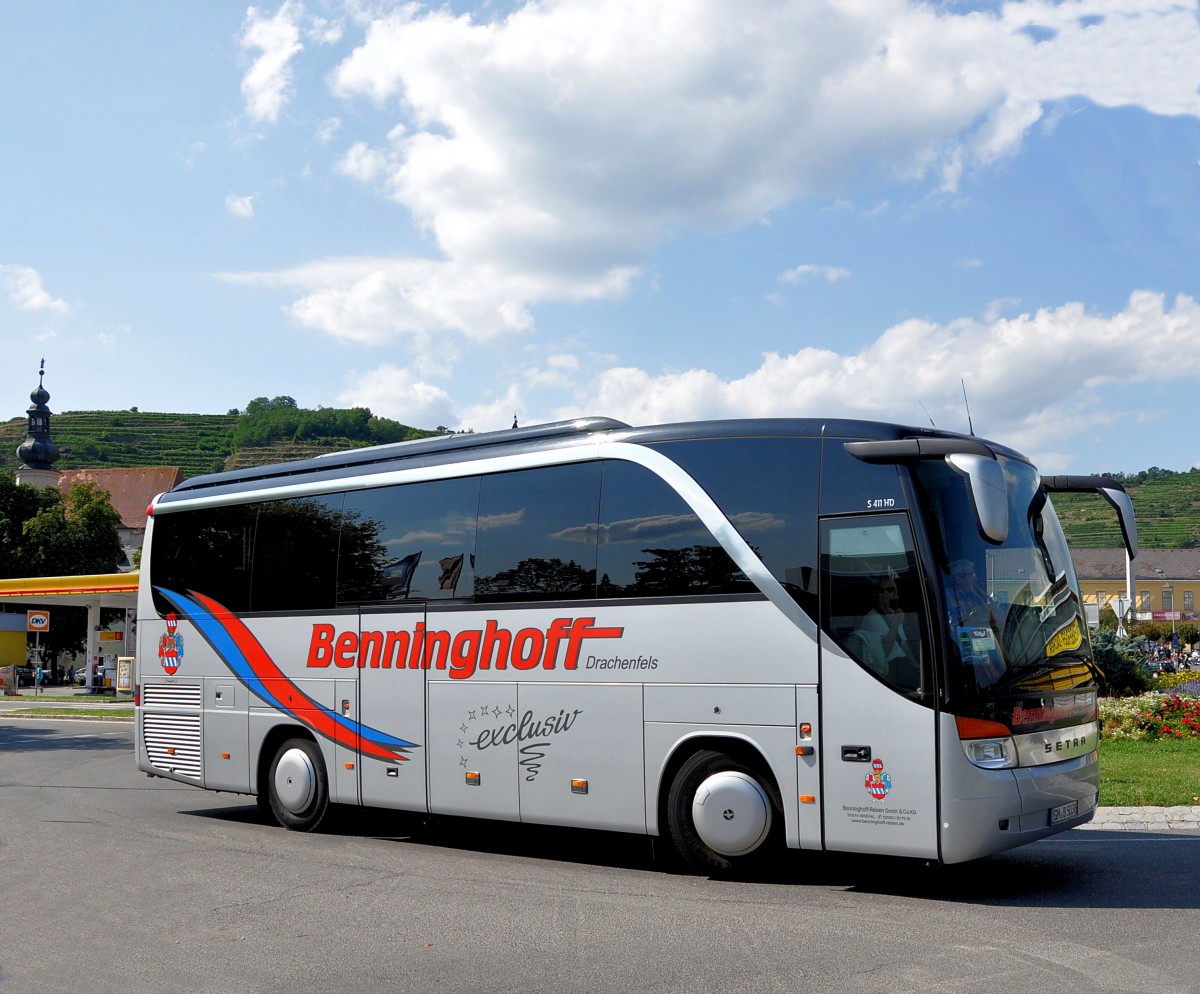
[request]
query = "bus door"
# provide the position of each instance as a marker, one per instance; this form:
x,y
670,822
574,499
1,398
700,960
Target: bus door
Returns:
x,y
390,707
878,728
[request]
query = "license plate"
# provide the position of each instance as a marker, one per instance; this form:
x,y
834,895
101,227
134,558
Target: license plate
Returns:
x,y
1063,812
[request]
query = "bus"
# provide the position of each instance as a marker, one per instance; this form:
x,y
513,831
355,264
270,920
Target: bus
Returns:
x,y
738,635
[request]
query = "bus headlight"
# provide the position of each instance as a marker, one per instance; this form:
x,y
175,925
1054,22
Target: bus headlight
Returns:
x,y
991,754
987,744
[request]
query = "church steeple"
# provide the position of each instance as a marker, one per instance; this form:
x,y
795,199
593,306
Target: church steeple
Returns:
x,y
38,453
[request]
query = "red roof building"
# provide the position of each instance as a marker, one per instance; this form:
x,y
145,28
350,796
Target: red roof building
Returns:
x,y
131,490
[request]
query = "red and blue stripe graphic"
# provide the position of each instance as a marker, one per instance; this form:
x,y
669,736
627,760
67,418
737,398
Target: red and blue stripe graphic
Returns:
x,y
246,658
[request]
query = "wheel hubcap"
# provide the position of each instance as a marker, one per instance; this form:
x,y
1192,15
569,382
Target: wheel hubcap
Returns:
x,y
732,813
295,780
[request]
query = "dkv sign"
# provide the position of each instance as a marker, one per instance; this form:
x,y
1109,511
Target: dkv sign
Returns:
x,y
37,621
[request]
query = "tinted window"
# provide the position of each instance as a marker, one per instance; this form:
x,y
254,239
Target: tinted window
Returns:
x,y
652,544
537,534
767,487
295,554
409,542
874,606
206,551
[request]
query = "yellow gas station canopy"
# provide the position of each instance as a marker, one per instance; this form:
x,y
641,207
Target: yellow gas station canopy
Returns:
x,y
108,589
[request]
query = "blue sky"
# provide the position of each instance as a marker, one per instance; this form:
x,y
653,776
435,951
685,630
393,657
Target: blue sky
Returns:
x,y
454,213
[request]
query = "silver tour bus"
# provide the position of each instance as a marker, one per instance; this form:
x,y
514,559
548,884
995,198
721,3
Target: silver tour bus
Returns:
x,y
741,635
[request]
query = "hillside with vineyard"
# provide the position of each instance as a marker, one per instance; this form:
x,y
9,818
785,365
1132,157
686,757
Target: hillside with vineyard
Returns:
x,y
267,431
1167,506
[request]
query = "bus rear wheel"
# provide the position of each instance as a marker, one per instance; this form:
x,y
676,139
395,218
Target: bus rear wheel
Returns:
x,y
719,813
298,786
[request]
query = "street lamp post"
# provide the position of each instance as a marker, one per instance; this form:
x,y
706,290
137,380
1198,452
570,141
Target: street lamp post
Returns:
x,y
1167,585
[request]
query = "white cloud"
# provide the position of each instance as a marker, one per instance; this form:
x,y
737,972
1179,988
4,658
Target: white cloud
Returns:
x,y
392,392
807,270
23,287
363,163
1113,52
1034,380
327,129
549,151
267,83
324,32
558,371
373,301
239,206
492,415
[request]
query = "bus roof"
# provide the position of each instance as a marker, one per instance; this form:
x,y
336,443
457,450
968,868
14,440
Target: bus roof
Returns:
x,y
456,448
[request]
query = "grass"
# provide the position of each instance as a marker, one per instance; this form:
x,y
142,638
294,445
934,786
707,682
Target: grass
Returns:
x,y
1162,772
81,706
81,711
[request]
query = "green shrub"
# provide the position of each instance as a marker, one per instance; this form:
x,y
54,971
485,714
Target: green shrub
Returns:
x,y
1120,664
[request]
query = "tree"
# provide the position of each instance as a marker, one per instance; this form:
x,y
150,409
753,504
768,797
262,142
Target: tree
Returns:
x,y
43,533
19,504
281,419
74,535
1189,633
1108,619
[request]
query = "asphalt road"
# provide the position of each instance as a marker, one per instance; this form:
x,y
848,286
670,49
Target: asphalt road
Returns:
x,y
114,882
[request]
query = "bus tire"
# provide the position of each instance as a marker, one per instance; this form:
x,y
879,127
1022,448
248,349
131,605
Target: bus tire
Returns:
x,y
298,786
719,813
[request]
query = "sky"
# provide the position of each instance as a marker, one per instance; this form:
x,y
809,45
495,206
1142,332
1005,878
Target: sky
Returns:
x,y
978,215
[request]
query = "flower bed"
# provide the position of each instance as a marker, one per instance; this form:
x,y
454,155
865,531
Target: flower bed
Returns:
x,y
1181,683
1151,716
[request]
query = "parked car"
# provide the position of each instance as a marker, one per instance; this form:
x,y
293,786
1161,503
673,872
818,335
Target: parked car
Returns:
x,y
25,676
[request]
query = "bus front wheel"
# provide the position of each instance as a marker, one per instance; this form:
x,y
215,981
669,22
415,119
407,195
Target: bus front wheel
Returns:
x,y
719,812
298,785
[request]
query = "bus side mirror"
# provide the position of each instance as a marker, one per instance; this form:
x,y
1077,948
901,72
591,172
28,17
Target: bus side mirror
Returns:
x,y
989,493
1123,505
1111,491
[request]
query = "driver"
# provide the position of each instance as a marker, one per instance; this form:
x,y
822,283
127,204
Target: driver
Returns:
x,y
966,597
970,616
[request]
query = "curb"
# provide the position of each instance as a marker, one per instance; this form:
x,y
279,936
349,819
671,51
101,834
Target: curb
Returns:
x,y
1179,818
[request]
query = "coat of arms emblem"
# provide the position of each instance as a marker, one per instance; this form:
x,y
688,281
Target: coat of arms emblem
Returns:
x,y
170,646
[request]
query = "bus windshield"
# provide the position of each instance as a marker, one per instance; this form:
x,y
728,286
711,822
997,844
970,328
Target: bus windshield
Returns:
x,y
1014,616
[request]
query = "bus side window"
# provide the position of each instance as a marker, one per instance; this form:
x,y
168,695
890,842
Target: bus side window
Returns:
x,y
652,544
295,554
767,487
415,541
537,534
873,604
209,551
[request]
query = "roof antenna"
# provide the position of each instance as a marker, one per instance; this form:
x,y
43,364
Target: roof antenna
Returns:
x,y
514,419
970,426
927,414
